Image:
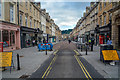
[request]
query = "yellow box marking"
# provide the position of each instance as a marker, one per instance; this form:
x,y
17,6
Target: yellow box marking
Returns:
x,y
110,55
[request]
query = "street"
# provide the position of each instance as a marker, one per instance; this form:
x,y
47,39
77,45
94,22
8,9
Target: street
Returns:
x,y
66,63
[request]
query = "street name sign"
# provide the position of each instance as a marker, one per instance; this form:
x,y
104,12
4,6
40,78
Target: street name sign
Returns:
x,y
110,55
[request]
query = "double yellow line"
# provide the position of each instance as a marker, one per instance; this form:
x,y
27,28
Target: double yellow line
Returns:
x,y
86,73
50,65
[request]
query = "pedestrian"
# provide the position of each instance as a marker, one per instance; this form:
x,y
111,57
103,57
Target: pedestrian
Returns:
x,y
69,41
33,42
89,43
109,42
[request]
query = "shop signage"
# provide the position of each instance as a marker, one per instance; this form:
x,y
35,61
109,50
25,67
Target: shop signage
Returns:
x,y
105,29
5,59
44,34
110,55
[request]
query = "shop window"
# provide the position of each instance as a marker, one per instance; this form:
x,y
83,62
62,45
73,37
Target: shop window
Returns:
x,y
11,13
5,35
12,37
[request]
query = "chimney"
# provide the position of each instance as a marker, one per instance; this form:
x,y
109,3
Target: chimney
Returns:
x,y
43,10
84,14
87,9
38,5
92,4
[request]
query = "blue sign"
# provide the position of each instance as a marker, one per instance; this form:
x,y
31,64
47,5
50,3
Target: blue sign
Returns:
x,y
45,46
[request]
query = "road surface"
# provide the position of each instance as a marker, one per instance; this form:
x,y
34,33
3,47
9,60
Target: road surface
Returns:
x,y
66,63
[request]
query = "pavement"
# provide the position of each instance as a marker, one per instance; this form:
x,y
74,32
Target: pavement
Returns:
x,y
30,60
93,58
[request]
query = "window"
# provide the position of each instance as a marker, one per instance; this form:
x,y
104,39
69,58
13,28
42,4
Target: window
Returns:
x,y
100,20
11,13
0,10
110,16
104,4
100,6
30,8
5,36
105,20
26,23
31,22
20,19
34,11
26,4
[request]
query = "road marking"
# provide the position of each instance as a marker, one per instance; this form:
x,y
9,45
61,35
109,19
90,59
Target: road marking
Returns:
x,y
55,52
81,64
76,52
49,67
81,68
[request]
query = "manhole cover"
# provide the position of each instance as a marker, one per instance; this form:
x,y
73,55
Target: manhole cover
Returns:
x,y
21,56
24,76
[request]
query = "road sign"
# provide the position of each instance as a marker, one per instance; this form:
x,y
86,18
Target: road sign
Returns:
x,y
5,59
110,55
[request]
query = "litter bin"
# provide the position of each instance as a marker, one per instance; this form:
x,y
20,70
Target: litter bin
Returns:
x,y
1,46
104,47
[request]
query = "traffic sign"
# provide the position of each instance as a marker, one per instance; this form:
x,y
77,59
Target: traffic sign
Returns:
x,y
110,55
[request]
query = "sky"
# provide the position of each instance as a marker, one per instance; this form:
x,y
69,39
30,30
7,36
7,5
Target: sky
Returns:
x,y
65,14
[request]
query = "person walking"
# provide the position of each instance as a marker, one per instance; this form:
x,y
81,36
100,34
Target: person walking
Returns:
x,y
33,42
69,41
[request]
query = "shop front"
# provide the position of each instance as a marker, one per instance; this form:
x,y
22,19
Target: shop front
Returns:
x,y
105,34
28,35
10,36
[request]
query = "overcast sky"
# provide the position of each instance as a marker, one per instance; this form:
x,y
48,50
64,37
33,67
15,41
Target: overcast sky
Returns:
x,y
65,14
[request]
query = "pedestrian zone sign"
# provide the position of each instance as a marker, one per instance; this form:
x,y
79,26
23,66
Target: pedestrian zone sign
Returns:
x,y
110,55
5,59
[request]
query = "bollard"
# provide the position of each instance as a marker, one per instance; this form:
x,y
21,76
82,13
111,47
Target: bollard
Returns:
x,y
46,50
18,62
91,47
86,49
81,48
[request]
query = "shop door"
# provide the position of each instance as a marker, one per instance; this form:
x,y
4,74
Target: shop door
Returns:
x,y
24,40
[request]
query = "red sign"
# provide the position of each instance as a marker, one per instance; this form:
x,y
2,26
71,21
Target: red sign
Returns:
x,y
1,46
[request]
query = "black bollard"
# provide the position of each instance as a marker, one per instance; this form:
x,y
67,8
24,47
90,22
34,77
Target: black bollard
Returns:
x,y
46,50
18,62
86,49
91,47
81,48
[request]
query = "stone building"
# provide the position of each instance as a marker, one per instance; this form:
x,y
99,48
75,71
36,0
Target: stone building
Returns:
x,y
29,20
104,21
116,25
